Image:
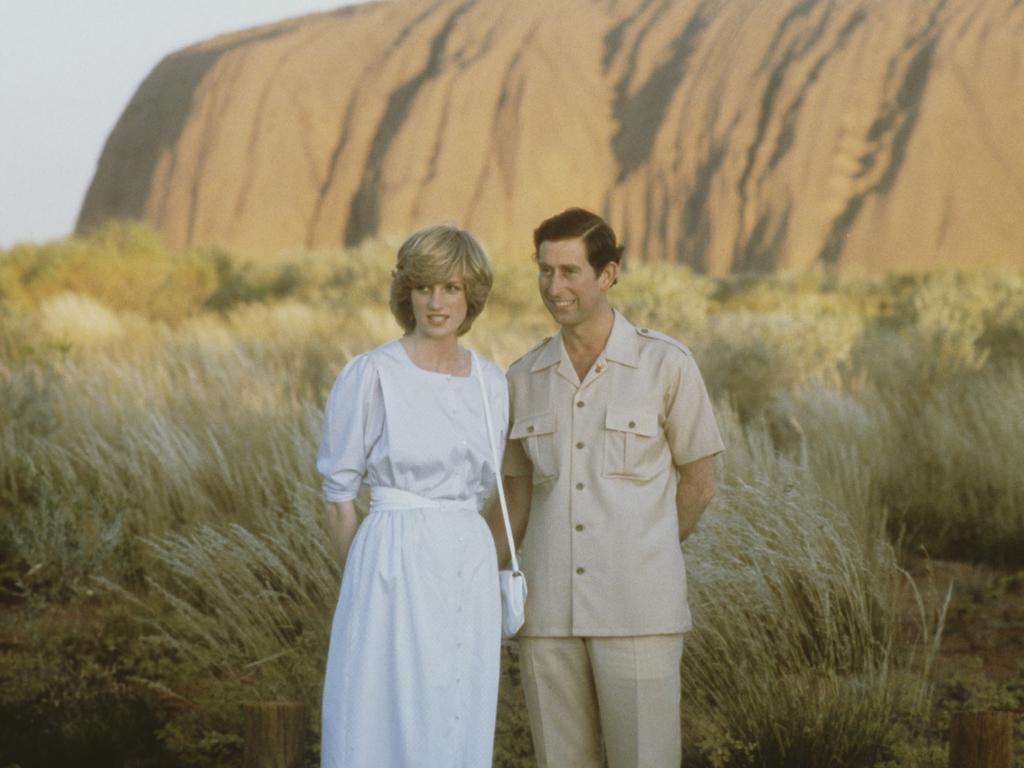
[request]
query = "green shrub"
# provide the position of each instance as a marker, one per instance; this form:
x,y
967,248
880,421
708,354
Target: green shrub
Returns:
x,y
71,694
123,266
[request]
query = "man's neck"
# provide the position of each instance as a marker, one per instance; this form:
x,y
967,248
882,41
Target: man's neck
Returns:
x,y
584,342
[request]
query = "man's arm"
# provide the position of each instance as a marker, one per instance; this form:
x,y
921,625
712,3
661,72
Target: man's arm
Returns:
x,y
342,522
695,490
518,494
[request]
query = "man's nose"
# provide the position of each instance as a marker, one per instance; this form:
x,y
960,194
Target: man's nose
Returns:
x,y
554,283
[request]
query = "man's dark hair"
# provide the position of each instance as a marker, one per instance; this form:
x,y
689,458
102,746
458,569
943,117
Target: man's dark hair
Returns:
x,y
597,236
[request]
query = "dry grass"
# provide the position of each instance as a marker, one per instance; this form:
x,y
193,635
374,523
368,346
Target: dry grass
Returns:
x,y
173,454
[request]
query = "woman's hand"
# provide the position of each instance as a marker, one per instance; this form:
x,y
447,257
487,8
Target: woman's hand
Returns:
x,y
342,522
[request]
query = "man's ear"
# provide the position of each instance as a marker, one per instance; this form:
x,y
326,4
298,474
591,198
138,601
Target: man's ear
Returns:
x,y
608,275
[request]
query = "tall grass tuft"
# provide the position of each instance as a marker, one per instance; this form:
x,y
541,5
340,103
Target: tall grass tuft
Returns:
x,y
813,678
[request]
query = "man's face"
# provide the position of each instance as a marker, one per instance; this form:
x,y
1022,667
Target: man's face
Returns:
x,y
571,291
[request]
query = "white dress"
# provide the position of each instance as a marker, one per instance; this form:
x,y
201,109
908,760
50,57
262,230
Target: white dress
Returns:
x,y
412,671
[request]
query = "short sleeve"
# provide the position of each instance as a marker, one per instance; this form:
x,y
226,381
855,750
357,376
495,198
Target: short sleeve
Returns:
x,y
690,425
515,462
346,439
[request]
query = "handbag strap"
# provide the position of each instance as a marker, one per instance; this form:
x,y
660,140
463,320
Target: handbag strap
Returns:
x,y
478,369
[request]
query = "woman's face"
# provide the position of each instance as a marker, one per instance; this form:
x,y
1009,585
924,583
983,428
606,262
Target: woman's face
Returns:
x,y
439,309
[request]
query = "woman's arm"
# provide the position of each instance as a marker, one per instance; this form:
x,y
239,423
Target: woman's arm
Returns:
x,y
342,522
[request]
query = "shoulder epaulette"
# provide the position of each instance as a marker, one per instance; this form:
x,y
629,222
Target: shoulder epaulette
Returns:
x,y
531,350
647,333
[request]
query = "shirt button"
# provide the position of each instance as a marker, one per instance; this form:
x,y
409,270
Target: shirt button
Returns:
x,y
579,445
579,486
579,403
581,571
579,526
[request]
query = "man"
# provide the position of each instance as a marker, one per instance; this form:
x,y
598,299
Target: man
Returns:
x,y
608,467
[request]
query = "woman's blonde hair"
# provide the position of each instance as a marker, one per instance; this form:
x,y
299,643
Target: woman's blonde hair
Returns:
x,y
433,255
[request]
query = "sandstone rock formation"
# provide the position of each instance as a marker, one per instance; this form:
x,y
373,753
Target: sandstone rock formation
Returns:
x,y
725,134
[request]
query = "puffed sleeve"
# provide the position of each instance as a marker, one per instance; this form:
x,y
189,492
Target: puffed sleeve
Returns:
x,y
690,424
348,431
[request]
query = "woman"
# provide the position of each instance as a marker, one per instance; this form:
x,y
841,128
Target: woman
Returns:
x,y
412,672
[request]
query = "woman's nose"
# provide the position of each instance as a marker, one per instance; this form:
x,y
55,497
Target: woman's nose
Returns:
x,y
435,298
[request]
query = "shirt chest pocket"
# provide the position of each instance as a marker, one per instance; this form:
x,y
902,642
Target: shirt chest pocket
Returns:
x,y
633,446
537,434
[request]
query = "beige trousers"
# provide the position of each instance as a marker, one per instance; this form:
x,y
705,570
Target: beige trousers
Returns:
x,y
594,696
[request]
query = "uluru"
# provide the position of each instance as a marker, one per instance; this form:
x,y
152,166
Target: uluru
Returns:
x,y
727,135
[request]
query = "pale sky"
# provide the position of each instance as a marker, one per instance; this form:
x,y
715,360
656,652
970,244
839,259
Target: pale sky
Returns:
x,y
67,71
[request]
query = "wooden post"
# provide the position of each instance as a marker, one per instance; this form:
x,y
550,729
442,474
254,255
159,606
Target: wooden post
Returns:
x,y
981,740
275,734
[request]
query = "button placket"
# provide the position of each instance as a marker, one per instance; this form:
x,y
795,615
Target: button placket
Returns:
x,y
578,470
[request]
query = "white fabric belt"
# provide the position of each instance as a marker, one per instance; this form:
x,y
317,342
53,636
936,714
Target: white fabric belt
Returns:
x,y
382,498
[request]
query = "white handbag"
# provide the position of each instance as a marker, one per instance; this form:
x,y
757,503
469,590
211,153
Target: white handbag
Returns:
x,y
512,582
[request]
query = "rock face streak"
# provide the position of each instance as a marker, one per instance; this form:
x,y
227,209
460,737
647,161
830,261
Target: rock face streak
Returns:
x,y
728,135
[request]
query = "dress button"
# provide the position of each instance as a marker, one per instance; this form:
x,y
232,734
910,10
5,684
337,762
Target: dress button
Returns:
x,y
581,571
632,424
579,526
579,445
530,428
579,486
579,403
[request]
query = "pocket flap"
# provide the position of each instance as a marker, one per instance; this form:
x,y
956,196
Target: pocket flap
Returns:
x,y
637,422
528,426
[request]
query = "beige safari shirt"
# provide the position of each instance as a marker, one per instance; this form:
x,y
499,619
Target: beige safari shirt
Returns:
x,y
601,552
